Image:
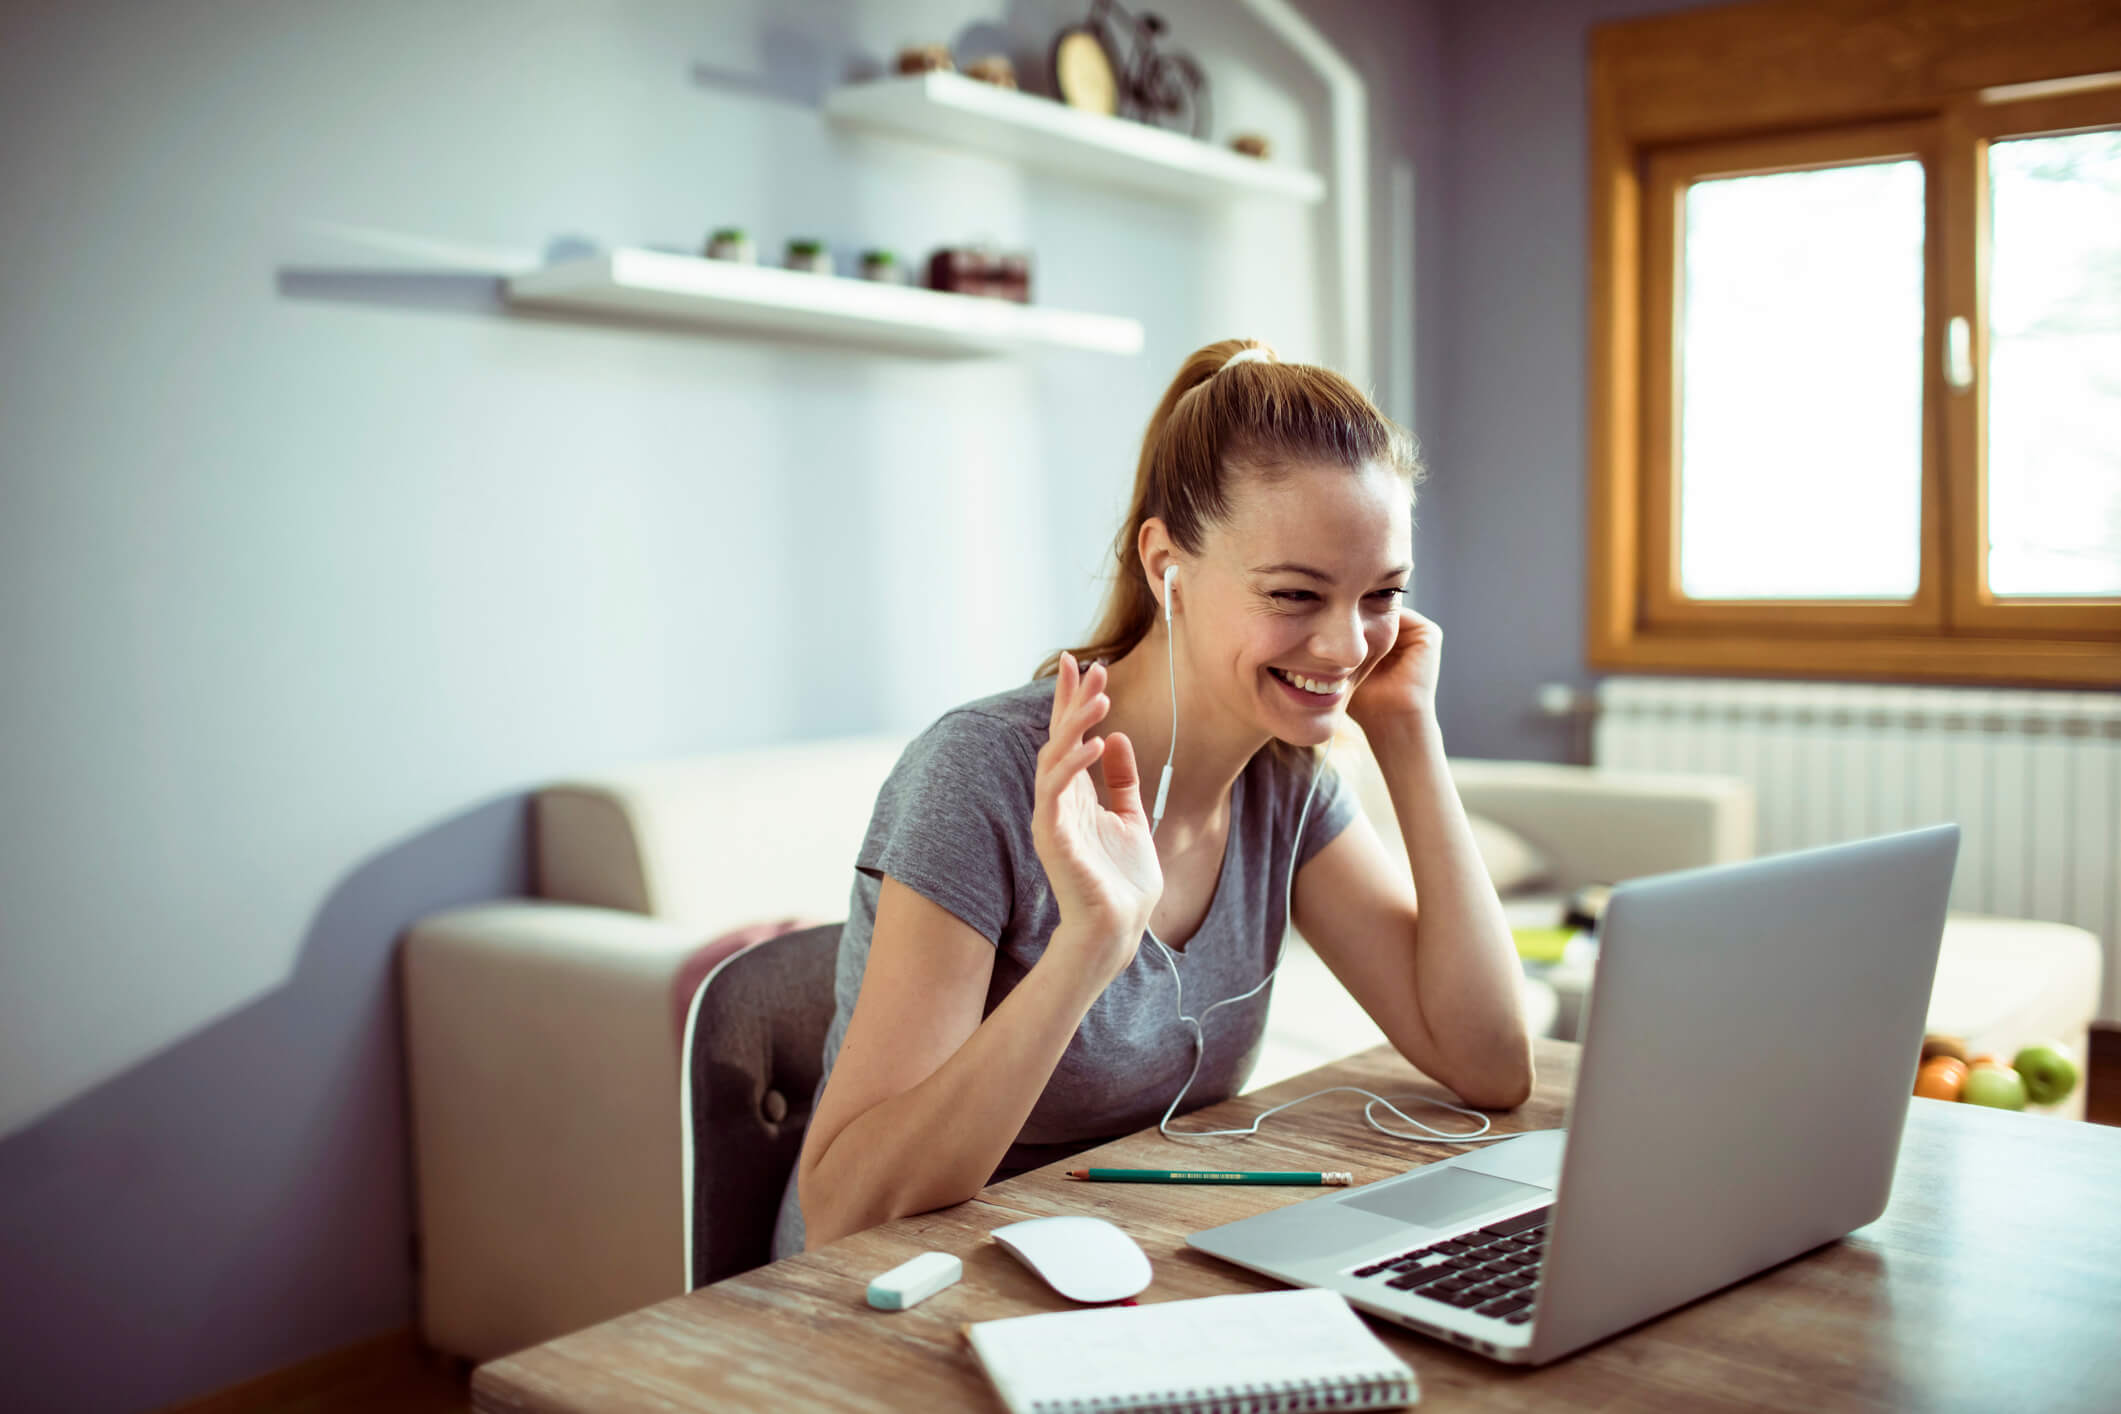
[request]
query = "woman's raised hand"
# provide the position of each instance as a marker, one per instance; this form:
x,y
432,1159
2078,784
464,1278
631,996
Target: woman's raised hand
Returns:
x,y
1101,862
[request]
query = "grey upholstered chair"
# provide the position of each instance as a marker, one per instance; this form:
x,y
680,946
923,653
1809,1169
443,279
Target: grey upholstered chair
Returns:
x,y
754,1050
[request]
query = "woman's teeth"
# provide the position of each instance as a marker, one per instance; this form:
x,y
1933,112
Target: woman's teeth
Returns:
x,y
1310,685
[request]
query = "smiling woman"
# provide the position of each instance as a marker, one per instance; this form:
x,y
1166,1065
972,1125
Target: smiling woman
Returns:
x,y
1025,940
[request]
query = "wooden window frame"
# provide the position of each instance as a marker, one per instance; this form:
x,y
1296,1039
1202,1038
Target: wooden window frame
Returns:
x,y
1788,84
1968,127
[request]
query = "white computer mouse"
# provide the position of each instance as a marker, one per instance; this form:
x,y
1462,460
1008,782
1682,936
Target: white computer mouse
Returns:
x,y
1084,1259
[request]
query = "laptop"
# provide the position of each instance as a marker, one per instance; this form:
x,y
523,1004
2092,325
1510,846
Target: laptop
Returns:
x,y
1747,1066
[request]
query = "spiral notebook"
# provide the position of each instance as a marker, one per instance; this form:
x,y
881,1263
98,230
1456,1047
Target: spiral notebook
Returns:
x,y
1291,1350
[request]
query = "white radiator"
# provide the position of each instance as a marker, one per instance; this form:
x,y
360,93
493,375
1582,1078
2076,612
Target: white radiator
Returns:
x,y
2032,778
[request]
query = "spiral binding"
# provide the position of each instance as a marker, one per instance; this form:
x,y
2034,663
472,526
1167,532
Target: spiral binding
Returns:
x,y
1293,1397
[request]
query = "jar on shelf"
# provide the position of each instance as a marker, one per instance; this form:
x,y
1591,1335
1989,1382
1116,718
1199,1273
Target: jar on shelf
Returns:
x,y
807,254
731,243
1013,277
981,270
957,270
882,266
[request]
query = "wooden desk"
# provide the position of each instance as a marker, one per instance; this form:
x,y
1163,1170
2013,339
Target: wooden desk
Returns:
x,y
1992,1283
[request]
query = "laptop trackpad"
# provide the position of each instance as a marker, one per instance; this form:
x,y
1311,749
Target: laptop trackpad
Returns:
x,y
1300,1232
1442,1198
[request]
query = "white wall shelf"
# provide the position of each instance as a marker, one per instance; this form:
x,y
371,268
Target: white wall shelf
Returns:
x,y
659,285
954,111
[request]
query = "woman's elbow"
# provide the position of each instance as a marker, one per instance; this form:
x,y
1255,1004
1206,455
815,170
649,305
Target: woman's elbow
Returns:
x,y
1517,1094
823,1223
826,1221
1502,1088
1497,1099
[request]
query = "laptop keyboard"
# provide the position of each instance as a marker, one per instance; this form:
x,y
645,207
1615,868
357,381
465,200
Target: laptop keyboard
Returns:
x,y
1492,1271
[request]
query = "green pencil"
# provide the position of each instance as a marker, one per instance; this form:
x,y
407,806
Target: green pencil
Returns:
x,y
1334,1180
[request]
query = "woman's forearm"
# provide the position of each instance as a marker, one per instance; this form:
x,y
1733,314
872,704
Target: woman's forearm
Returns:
x,y
940,1141
1466,968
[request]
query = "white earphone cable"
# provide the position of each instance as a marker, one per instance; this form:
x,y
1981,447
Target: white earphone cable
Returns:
x,y
1163,787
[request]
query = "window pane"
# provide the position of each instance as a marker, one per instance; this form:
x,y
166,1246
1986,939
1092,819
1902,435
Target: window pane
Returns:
x,y
2054,366
1801,385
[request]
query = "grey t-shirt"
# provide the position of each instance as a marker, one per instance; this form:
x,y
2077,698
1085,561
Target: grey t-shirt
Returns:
x,y
953,822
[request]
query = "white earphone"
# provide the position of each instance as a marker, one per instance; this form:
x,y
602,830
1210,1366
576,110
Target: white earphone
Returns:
x,y
1200,1047
1163,787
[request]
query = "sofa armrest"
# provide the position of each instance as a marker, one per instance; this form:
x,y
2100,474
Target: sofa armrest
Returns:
x,y
1594,825
544,1085
1602,826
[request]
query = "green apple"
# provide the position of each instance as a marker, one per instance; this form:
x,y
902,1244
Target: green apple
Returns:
x,y
2048,1072
1994,1085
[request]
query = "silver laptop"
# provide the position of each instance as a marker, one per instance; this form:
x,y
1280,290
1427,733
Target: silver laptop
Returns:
x,y
1746,1070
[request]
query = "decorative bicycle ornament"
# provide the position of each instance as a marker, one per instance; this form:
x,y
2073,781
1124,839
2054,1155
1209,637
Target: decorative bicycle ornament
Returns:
x,y
1111,64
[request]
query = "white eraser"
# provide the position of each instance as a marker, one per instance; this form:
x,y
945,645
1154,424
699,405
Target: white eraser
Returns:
x,y
911,1282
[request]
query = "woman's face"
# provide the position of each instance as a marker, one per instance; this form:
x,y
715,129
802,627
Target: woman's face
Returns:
x,y
1250,616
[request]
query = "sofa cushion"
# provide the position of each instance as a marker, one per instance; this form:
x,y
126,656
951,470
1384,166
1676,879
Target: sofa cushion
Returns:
x,y
1513,862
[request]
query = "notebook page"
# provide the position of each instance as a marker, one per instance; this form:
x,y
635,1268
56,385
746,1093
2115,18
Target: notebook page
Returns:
x,y
1266,1337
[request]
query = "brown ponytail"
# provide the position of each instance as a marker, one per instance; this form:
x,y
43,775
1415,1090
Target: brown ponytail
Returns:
x,y
1263,417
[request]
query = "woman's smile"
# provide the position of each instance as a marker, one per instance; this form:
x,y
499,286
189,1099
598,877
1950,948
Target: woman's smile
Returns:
x,y
1311,692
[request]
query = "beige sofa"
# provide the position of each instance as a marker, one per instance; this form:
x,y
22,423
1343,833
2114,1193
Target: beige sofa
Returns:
x,y
542,1033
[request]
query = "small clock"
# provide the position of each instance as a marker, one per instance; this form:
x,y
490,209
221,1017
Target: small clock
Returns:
x,y
1083,72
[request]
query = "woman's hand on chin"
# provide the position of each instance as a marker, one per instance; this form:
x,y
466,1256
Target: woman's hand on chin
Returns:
x,y
1403,684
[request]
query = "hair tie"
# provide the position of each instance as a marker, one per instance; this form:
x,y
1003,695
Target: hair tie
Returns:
x,y
1242,355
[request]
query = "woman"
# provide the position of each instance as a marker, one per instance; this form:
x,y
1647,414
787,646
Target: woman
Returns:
x,y
998,1007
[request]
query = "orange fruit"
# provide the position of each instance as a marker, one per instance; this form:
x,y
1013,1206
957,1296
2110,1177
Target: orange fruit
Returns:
x,y
1941,1079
